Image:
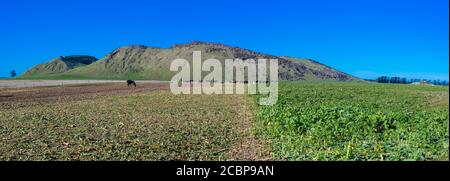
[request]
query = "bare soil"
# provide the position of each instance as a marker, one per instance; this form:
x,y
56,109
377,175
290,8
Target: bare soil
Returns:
x,y
11,98
182,123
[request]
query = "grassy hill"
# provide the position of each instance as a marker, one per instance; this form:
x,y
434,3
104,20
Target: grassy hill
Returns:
x,y
58,66
143,62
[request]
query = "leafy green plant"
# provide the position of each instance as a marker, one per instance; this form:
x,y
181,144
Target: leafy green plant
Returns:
x,y
356,121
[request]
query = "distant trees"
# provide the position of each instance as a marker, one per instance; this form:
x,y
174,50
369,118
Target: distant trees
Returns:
x,y
402,80
13,73
383,79
439,82
395,80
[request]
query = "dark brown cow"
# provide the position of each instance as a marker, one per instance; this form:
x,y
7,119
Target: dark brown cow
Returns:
x,y
131,83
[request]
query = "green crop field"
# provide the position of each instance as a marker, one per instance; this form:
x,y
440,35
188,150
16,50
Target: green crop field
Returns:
x,y
356,121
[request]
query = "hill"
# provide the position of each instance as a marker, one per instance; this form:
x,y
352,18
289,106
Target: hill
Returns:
x,y
58,66
143,62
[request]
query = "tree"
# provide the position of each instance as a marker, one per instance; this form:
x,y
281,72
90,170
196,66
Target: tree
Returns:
x,y
404,80
395,80
383,79
13,73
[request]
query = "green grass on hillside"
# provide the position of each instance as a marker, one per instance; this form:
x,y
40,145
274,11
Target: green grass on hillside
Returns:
x,y
147,63
356,121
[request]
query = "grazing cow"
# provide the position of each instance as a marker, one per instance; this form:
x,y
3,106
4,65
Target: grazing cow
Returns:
x,y
131,83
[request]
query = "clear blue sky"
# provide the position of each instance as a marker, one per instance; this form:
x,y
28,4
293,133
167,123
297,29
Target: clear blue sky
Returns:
x,y
365,38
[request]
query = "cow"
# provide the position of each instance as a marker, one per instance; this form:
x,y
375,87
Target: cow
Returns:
x,y
131,83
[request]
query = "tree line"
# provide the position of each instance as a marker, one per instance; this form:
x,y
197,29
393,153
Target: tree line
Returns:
x,y
403,80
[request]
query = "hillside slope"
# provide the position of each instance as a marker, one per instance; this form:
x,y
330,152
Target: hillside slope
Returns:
x,y
143,62
58,66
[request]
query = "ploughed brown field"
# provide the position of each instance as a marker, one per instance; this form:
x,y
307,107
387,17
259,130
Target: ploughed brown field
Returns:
x,y
20,97
111,121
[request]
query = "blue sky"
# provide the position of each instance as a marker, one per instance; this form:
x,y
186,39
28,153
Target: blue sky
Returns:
x,y
366,38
